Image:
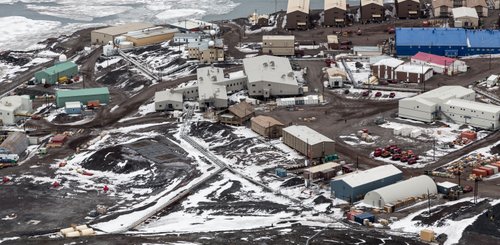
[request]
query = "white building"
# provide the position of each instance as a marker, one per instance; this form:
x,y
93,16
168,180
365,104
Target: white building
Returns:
x,y
168,100
385,68
440,64
451,103
14,108
413,73
465,17
492,80
270,76
414,187
185,38
336,77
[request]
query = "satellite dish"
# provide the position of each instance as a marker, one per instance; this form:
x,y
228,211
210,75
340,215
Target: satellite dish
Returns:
x,y
211,44
213,32
63,58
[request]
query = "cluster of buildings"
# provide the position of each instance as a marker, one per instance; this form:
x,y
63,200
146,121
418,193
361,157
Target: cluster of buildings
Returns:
x,y
60,72
382,187
263,76
421,68
451,103
444,8
450,42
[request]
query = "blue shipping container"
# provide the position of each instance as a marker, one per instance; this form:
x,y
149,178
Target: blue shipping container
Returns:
x,y
360,217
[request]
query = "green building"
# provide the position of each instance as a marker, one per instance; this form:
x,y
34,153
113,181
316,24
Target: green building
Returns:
x,y
82,95
52,74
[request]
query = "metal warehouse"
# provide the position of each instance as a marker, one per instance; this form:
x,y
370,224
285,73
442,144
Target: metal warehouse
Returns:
x,y
52,74
308,142
16,143
105,35
150,36
82,95
451,42
283,45
414,187
353,187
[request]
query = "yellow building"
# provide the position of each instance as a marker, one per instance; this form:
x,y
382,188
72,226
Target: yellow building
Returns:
x,y
151,36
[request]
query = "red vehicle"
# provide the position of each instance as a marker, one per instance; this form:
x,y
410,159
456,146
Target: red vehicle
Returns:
x,y
377,153
412,161
392,95
467,189
404,159
396,150
391,30
385,154
396,157
378,94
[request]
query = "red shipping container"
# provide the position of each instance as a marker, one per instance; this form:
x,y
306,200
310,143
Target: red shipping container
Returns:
x,y
469,135
60,138
479,172
497,164
489,171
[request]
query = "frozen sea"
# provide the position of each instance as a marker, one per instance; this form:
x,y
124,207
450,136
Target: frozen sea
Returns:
x,y
26,22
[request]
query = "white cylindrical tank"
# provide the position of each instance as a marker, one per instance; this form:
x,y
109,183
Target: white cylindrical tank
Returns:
x,y
126,44
73,234
87,232
67,230
63,58
120,39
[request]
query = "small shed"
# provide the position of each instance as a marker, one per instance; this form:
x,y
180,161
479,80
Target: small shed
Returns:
x,y
362,216
446,187
267,126
333,41
73,107
323,171
492,80
413,73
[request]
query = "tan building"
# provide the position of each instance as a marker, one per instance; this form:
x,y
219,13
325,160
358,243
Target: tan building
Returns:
x,y
465,17
324,171
479,5
280,45
372,10
150,36
335,12
267,126
297,14
308,142
237,114
442,8
105,35
332,41
207,51
408,9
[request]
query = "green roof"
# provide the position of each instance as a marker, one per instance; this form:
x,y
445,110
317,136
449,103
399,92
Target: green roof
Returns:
x,y
82,92
60,67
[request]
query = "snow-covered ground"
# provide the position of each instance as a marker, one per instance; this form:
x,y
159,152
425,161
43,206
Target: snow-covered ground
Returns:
x,y
20,33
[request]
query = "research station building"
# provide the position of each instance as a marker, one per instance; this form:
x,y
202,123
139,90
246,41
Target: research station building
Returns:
x,y
352,187
407,9
270,76
52,74
414,187
150,36
308,141
82,95
372,10
14,108
465,17
385,68
409,73
106,35
439,64
297,14
335,12
168,101
279,45
267,126
455,104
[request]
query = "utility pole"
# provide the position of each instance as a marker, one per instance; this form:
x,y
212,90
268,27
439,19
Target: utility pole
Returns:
x,y
429,202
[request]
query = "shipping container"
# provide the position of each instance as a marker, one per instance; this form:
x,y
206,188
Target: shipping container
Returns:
x,y
495,168
281,172
489,171
479,172
361,217
469,135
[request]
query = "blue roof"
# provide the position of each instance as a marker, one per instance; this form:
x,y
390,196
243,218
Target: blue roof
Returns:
x,y
364,215
431,37
484,38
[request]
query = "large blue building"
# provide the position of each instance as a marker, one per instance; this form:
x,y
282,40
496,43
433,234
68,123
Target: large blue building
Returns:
x,y
353,187
451,42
